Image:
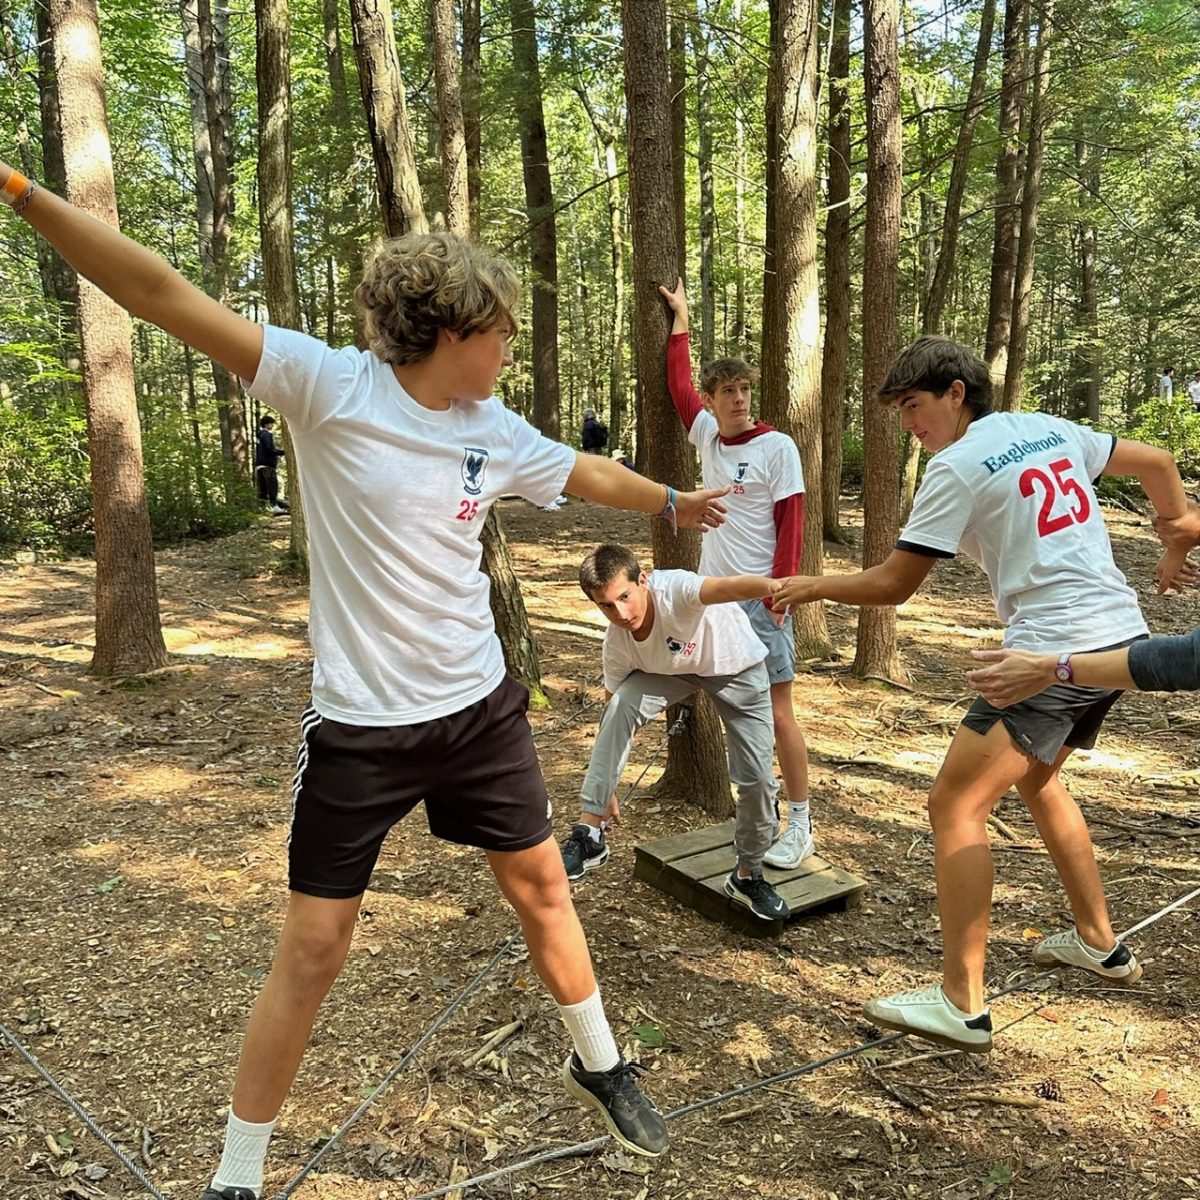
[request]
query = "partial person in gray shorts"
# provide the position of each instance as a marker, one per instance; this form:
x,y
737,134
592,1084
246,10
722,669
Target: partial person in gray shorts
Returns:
x,y
778,639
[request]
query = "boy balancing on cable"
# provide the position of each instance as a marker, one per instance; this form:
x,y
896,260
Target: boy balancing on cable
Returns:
x,y
671,633
1014,492
401,451
762,535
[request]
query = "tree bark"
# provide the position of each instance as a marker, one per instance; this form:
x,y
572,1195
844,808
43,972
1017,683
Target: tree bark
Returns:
x,y
273,73
1014,382
791,394
708,218
1008,181
472,83
539,202
835,356
450,117
696,766
383,98
876,652
679,135
129,637
1086,366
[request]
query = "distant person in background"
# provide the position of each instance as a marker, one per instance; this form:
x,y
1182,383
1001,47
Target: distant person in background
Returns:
x,y
266,456
594,435
1193,388
1166,384
619,455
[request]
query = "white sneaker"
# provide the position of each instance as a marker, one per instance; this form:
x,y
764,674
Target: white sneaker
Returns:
x,y
928,1014
791,849
277,510
1068,949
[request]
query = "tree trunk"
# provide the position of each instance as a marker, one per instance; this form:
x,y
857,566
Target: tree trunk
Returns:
x,y
273,73
835,358
696,766
539,201
450,117
1086,367
708,219
876,652
472,83
214,213
1008,182
129,637
1018,343
944,271
383,98
791,395
679,136
508,611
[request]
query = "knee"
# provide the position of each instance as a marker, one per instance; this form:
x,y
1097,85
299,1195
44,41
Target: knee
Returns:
x,y
312,955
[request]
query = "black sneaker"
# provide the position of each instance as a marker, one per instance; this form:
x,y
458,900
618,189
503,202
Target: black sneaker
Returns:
x,y
631,1117
758,896
229,1193
581,853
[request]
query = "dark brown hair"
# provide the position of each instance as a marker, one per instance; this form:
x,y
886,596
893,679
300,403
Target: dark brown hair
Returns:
x,y
606,563
725,370
932,364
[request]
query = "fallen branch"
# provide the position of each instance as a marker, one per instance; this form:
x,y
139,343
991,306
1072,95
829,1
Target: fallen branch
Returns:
x,y
494,1039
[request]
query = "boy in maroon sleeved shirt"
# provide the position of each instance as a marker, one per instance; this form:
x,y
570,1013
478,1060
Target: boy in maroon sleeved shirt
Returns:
x,y
762,534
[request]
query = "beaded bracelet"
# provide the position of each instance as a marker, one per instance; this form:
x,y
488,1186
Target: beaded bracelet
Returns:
x,y
668,510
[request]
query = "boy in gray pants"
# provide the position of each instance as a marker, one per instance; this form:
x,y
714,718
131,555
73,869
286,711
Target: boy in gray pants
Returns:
x,y
665,641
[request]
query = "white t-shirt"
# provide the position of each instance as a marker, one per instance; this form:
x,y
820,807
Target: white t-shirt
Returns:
x,y
395,496
1194,392
761,472
687,637
1166,387
1014,493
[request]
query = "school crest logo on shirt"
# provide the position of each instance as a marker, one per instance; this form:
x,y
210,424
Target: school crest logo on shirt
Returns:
x,y
674,644
474,464
739,476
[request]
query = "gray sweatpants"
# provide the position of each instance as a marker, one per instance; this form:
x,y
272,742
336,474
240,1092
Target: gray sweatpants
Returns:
x,y
743,703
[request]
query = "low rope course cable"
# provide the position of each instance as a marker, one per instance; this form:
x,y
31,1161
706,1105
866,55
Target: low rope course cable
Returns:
x,y
572,1151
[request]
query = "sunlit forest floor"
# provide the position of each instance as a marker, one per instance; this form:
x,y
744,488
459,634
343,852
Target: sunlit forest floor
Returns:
x,y
142,876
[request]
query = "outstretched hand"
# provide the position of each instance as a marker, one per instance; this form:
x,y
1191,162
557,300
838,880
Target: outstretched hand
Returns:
x,y
700,509
797,589
1014,675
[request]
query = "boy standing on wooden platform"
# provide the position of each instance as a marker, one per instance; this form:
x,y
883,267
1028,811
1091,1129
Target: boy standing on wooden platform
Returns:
x,y
401,449
762,535
1014,492
671,633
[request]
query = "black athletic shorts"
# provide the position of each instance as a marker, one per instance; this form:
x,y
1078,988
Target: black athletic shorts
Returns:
x,y
1062,715
476,770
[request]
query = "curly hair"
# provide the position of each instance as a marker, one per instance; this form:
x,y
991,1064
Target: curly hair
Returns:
x,y
418,284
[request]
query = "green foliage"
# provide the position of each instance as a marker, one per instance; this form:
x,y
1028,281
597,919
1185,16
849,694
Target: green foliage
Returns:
x,y
1172,425
45,497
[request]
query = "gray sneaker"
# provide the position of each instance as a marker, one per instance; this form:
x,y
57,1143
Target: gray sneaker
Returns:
x,y
581,853
758,896
790,850
630,1116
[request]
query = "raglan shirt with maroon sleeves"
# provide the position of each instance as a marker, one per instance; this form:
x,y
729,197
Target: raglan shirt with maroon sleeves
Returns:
x,y
395,496
764,524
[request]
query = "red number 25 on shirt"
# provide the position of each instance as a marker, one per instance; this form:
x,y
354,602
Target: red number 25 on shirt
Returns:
x,y
1033,478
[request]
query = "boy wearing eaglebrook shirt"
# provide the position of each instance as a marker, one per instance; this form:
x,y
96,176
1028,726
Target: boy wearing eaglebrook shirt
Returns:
x,y
1014,492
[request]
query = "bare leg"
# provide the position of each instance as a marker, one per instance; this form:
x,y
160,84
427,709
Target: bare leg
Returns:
x,y
1065,833
977,771
312,948
536,886
790,747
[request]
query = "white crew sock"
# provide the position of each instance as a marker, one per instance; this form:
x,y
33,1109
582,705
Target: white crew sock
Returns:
x,y
798,817
595,832
590,1031
244,1154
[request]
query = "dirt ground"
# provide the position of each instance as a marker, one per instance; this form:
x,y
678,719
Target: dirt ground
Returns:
x,y
142,884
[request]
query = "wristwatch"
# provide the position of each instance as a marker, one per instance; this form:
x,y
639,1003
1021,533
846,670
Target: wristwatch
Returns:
x,y
1062,669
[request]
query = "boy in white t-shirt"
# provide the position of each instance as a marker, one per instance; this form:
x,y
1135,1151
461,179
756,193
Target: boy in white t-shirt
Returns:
x,y
1014,492
1193,389
401,451
671,633
763,534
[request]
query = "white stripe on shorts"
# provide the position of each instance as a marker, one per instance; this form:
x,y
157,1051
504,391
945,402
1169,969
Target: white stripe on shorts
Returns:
x,y
310,719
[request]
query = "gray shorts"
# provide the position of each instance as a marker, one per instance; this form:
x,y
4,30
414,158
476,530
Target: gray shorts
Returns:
x,y
1062,715
779,641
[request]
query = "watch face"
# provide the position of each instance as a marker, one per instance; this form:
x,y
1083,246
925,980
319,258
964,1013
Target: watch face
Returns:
x,y
1062,674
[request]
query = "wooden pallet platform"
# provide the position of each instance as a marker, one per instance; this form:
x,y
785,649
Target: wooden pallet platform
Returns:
x,y
692,867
